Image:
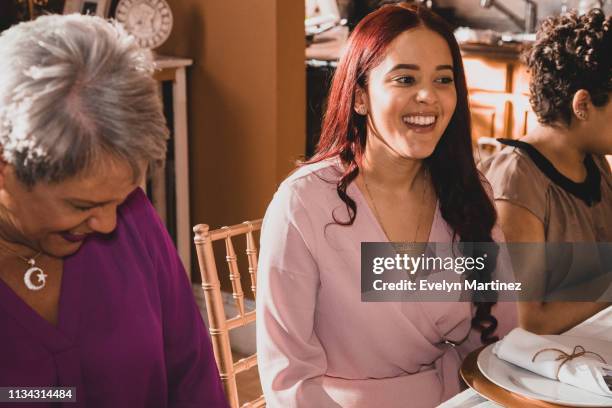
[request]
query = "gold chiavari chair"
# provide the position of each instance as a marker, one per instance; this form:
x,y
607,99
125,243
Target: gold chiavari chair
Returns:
x,y
219,325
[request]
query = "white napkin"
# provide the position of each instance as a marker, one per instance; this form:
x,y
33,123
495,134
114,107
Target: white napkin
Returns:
x,y
586,372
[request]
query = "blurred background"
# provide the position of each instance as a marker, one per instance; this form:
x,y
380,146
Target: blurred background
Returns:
x,y
244,85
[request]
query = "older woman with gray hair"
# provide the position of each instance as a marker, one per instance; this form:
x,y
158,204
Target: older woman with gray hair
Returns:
x,y
92,292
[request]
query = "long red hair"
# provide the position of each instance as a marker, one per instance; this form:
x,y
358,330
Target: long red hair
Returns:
x,y
464,203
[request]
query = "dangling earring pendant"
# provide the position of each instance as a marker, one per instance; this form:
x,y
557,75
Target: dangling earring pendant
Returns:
x,y
361,110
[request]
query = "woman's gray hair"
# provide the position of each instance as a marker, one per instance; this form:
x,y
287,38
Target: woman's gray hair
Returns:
x,y
74,89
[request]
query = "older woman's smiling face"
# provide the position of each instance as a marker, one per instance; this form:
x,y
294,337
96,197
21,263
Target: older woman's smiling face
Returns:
x,y
56,217
411,95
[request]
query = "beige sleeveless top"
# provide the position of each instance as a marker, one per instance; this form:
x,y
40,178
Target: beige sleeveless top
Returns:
x,y
570,211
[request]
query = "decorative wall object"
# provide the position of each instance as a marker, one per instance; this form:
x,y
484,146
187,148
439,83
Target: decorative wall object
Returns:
x,y
150,21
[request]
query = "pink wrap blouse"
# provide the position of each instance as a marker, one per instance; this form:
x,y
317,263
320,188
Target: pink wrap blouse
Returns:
x,y
318,344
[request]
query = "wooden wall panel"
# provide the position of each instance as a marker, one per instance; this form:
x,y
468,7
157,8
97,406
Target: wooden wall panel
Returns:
x,y
246,95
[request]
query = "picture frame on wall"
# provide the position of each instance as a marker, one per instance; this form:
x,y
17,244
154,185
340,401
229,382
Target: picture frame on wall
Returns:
x,y
93,7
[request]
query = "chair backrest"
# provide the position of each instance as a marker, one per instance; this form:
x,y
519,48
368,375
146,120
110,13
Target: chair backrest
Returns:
x,y
219,325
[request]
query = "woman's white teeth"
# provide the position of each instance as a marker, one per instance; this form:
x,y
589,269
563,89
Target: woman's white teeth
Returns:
x,y
420,120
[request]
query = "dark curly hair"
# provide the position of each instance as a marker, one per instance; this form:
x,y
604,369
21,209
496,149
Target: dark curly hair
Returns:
x,y
572,52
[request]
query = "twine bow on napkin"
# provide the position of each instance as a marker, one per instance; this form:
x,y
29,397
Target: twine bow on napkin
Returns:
x,y
578,351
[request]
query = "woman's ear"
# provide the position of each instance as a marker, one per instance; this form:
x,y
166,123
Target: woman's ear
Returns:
x,y
581,104
361,101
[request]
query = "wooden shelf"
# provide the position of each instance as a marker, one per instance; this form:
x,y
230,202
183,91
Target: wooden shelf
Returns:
x,y
173,206
498,88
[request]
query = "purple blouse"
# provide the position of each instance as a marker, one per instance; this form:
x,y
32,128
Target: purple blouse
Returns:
x,y
129,333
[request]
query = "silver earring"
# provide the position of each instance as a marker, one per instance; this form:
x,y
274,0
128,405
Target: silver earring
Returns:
x,y
361,109
581,115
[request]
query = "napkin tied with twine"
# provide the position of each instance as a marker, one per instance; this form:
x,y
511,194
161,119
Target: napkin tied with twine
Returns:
x,y
574,365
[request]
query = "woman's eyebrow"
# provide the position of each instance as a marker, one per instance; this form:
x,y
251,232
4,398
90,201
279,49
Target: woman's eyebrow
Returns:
x,y
405,66
79,201
417,68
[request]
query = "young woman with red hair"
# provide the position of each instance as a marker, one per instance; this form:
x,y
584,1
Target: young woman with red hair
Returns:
x,y
394,163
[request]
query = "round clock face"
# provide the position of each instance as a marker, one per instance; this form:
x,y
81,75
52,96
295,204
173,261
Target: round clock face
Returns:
x,y
150,21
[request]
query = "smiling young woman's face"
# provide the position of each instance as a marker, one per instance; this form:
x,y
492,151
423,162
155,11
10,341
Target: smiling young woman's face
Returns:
x,y
56,217
411,95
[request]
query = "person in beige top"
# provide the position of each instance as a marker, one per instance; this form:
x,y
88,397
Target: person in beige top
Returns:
x,y
554,185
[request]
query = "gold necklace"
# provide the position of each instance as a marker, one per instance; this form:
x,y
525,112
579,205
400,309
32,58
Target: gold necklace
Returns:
x,y
33,269
378,217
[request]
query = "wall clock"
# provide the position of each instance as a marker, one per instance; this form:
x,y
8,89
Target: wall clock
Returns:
x,y
150,21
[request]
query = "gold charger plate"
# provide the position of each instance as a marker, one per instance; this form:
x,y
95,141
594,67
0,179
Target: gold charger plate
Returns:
x,y
476,380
